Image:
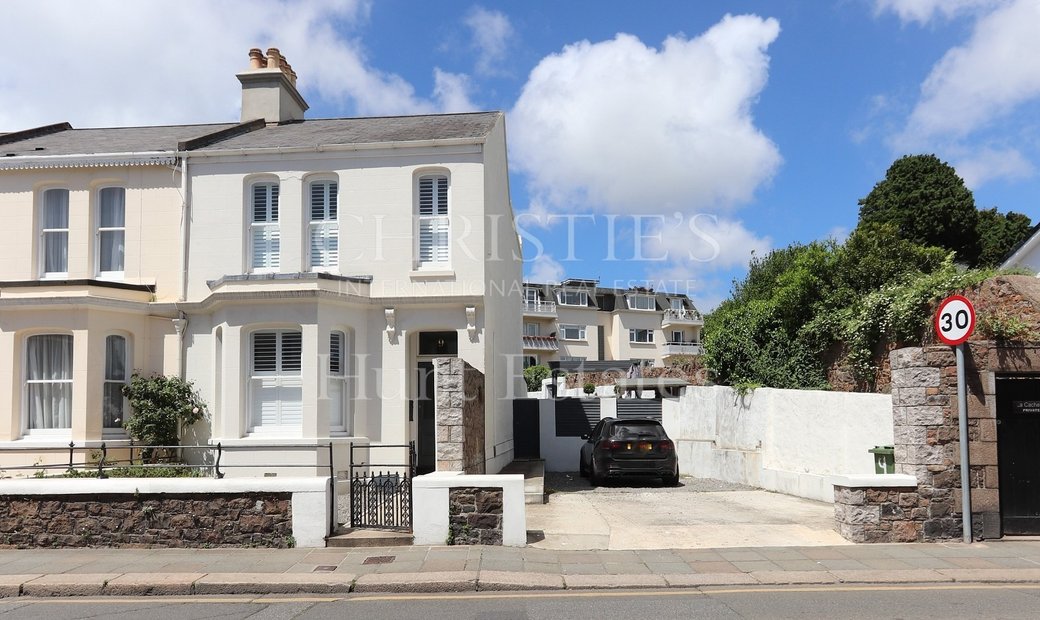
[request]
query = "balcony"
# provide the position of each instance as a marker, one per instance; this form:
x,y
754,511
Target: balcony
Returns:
x,y
681,348
541,343
539,308
681,317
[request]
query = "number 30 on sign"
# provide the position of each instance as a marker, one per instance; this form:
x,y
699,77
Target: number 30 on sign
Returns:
x,y
955,320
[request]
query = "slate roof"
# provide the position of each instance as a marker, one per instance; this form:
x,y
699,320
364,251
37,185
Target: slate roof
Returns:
x,y
108,140
332,131
61,140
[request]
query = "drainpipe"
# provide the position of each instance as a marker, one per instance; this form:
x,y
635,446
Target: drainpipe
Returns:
x,y
181,322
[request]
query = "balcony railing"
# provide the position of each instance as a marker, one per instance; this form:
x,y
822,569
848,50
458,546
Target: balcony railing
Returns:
x,y
539,307
682,348
672,315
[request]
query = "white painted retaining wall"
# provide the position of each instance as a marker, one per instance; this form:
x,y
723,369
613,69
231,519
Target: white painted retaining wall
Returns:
x,y
430,505
788,441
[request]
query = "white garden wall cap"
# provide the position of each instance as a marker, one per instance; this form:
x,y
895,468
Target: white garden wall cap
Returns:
x,y
304,276
459,479
122,486
874,480
259,442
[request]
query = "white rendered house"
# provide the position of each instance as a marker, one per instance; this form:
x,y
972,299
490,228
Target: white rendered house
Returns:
x,y
304,274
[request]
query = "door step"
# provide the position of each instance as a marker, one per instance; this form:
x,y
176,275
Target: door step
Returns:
x,y
534,478
359,537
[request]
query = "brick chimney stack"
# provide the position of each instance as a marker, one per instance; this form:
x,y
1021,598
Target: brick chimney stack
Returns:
x,y
269,89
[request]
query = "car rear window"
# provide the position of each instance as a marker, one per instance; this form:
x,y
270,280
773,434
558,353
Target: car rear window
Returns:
x,y
637,430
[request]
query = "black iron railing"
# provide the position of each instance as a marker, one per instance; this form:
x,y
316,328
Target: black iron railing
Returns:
x,y
381,498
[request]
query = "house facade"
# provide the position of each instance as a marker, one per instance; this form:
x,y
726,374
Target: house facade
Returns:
x,y
303,274
578,321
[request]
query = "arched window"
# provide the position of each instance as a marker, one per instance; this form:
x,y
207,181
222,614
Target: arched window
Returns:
x,y
111,232
265,235
113,404
276,384
48,382
54,234
434,232
324,225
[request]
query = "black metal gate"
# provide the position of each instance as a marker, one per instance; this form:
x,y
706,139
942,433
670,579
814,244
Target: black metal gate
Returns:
x,y
381,498
1018,435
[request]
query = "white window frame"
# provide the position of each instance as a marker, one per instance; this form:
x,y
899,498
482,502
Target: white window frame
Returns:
x,y
438,223
531,295
530,360
634,302
269,227
582,296
677,336
340,375
125,405
677,304
44,232
531,329
280,379
324,229
100,230
581,329
635,332
26,382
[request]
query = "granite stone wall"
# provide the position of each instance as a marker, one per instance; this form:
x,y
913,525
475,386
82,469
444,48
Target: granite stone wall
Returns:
x,y
880,514
155,520
459,415
475,516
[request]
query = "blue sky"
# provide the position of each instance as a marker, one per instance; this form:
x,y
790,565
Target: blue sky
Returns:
x,y
685,135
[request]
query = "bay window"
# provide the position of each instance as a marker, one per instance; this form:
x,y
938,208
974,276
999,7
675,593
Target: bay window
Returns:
x,y
48,382
276,384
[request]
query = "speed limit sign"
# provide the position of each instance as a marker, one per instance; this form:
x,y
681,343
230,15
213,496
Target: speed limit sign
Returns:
x,y
955,320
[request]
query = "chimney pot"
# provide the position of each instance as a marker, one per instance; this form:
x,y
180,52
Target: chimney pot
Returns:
x,y
256,58
274,58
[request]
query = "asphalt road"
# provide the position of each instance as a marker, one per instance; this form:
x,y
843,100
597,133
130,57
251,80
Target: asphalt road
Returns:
x,y
846,602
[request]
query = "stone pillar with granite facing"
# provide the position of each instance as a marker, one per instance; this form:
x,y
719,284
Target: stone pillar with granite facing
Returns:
x,y
459,416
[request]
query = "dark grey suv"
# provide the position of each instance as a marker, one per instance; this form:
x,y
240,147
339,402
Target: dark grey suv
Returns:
x,y
637,447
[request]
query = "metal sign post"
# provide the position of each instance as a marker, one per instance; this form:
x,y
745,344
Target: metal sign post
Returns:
x,y
954,323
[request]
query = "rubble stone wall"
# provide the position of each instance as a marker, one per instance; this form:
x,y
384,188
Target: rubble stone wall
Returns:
x,y
475,516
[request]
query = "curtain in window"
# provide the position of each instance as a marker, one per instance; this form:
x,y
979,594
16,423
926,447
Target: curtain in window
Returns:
x,y
49,381
111,229
115,379
55,227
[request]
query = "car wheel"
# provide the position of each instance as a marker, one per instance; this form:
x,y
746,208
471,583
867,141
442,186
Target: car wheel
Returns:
x,y
672,480
595,477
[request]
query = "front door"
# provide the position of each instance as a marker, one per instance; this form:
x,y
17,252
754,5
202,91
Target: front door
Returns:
x,y
1018,448
426,440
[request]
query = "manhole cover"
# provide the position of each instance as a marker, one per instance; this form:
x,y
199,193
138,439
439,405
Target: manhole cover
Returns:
x,y
324,568
379,559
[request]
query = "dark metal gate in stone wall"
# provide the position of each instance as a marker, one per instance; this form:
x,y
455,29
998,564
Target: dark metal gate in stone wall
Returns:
x,y
381,493
1018,450
628,408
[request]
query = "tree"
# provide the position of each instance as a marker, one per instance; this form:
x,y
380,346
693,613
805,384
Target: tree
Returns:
x,y
534,375
929,205
999,233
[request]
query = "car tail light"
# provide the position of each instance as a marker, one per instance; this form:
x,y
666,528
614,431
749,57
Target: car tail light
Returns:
x,y
611,445
666,446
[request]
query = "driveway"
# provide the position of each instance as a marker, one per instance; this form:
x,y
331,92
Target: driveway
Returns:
x,y
700,513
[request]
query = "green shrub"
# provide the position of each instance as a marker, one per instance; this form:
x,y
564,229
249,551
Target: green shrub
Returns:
x,y
590,388
534,375
1005,327
161,406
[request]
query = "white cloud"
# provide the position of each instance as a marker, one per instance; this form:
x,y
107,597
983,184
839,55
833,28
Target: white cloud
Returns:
x,y
544,268
986,164
995,71
491,32
128,63
622,127
451,91
923,11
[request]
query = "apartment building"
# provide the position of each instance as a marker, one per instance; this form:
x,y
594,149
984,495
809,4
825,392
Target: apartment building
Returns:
x,y
304,274
578,320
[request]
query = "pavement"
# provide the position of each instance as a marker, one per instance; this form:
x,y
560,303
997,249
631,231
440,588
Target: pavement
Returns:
x,y
142,572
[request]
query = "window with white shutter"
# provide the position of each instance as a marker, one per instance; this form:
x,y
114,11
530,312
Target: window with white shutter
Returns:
x,y
264,234
276,382
434,232
324,225
340,418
